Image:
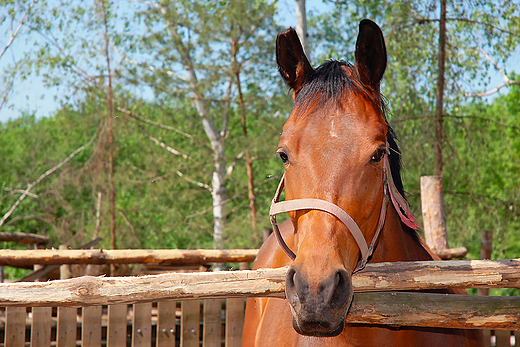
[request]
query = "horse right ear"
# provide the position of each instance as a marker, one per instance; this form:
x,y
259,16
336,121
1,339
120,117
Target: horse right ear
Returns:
x,y
292,62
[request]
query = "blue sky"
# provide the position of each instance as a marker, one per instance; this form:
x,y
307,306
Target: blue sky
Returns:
x,y
33,95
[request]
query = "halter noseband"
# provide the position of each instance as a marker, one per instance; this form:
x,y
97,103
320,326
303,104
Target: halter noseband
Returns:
x,y
399,202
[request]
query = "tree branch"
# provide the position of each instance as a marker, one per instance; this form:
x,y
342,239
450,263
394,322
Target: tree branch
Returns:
x,y
147,121
199,184
507,81
13,35
165,146
42,176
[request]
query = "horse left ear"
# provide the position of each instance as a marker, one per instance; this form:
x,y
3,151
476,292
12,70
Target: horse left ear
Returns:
x,y
370,54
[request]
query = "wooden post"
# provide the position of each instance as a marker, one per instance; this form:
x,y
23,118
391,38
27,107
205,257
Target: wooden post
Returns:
x,y
433,213
212,328
67,316
142,325
15,326
486,247
41,326
166,323
190,323
235,308
116,329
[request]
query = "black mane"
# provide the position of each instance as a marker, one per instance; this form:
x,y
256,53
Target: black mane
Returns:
x,y
327,83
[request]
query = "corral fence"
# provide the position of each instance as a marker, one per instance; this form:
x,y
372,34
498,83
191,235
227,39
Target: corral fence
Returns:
x,y
194,309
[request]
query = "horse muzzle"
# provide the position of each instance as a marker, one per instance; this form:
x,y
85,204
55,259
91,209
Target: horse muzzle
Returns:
x,y
319,308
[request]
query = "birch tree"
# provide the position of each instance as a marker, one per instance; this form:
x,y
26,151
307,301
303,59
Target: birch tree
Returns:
x,y
200,47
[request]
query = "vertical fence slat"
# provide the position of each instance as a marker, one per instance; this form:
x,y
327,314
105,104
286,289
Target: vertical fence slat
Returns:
x,y
487,338
91,326
503,338
67,327
190,323
41,326
234,322
212,329
15,326
116,329
142,325
166,323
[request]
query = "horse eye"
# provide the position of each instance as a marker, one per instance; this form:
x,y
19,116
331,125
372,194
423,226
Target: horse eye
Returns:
x,y
284,156
378,155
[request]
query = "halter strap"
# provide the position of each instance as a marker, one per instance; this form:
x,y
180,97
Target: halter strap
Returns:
x,y
326,206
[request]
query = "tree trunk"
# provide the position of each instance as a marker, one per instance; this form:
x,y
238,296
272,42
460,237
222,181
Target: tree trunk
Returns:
x,y
301,25
216,138
439,131
249,162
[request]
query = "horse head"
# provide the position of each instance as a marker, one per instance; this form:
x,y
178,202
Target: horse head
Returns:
x,y
334,148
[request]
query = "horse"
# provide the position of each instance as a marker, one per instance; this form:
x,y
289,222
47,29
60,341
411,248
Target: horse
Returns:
x,y
345,199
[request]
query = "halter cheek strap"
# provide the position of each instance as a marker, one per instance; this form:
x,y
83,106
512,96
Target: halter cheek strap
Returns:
x,y
322,205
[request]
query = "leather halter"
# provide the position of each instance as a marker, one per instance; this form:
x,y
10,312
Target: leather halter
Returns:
x,y
317,204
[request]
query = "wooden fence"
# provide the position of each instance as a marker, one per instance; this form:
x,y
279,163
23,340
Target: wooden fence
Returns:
x,y
134,311
190,323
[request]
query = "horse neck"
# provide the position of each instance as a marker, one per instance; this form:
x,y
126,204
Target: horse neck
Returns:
x,y
397,242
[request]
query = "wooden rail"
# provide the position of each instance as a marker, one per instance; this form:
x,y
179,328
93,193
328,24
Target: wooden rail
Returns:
x,y
124,256
88,290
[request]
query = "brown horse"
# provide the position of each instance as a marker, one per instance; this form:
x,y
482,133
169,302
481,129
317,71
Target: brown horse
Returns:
x,y
342,170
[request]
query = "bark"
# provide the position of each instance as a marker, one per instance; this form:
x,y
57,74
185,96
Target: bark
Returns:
x,y
439,131
301,25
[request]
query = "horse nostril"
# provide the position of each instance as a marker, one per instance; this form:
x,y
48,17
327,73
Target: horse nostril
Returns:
x,y
343,291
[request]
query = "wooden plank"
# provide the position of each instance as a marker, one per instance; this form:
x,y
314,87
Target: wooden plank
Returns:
x,y
88,290
487,337
142,325
67,327
116,329
15,326
212,329
234,321
190,323
41,326
166,321
503,338
91,326
125,256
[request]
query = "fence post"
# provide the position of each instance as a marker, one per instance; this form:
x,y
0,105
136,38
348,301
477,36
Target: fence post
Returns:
x,y
434,217
212,329
15,326
486,247
190,323
116,329
166,323
41,326
142,325
67,316
235,318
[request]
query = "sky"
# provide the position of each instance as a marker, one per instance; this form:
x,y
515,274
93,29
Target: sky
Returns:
x,y
32,95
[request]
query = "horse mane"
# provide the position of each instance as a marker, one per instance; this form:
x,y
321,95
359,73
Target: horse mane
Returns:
x,y
328,83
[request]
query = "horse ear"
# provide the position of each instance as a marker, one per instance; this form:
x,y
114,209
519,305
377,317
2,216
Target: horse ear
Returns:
x,y
370,53
292,62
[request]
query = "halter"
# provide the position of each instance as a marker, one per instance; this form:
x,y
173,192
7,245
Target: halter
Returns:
x,y
401,205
